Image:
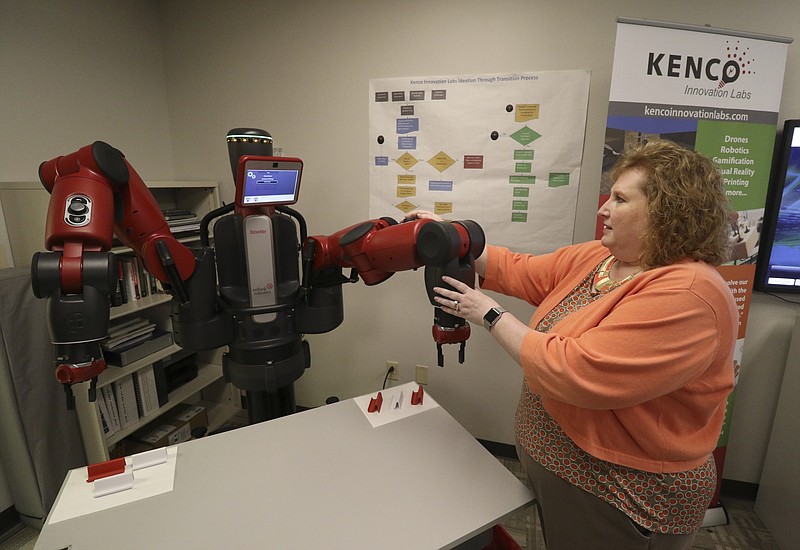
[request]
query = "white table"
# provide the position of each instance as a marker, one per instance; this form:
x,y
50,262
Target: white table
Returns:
x,y
323,478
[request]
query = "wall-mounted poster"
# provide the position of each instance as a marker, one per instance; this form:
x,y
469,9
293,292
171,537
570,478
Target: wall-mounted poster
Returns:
x,y
504,150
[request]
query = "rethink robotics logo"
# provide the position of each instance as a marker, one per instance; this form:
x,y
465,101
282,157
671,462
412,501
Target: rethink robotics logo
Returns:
x,y
707,76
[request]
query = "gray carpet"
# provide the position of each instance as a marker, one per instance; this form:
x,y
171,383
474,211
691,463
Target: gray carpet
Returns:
x,y
744,530
19,538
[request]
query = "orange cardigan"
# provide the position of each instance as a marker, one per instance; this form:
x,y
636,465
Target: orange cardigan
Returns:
x,y
638,377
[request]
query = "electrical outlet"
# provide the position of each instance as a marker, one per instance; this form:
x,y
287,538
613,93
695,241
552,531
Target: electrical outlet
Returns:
x,y
422,375
393,366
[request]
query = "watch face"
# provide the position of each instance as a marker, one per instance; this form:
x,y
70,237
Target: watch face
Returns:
x,y
491,316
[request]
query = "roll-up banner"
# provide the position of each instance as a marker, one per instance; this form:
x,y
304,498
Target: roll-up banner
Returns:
x,y
716,91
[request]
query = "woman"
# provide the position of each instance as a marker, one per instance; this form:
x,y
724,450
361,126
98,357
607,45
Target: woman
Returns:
x,y
628,358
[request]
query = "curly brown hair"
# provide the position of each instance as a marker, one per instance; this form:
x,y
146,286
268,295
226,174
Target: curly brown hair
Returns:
x,y
687,210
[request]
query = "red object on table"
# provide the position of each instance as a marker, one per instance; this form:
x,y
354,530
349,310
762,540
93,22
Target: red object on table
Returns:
x,y
106,469
375,403
416,397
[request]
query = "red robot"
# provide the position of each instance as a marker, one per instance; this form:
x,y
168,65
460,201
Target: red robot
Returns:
x,y
258,290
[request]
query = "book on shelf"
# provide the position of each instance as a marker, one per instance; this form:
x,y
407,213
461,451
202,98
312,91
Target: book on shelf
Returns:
x,y
126,334
155,286
182,222
126,401
131,342
138,395
142,282
138,348
105,420
110,401
178,214
129,324
117,298
184,231
144,384
133,280
129,278
194,220
122,289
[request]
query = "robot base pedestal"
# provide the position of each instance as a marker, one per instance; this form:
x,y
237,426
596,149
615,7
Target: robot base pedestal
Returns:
x,y
262,406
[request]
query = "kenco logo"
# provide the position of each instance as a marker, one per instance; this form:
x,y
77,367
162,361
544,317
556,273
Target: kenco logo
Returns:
x,y
723,70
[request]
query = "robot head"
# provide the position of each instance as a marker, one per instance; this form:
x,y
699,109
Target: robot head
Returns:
x,y
247,141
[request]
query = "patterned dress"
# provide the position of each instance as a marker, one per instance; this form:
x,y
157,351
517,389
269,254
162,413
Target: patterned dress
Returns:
x,y
673,503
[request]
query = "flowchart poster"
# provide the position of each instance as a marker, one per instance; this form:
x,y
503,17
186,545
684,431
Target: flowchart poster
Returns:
x,y
503,150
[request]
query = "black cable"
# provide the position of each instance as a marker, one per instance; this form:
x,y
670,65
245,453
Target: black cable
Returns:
x,y
388,372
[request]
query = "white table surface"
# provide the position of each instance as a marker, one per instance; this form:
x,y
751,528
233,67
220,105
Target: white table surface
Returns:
x,y
323,478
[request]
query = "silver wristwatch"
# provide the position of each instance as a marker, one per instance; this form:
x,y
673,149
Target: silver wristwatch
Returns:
x,y
492,316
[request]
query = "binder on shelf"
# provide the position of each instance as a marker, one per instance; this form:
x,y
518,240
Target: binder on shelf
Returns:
x,y
144,383
125,355
137,389
176,369
162,389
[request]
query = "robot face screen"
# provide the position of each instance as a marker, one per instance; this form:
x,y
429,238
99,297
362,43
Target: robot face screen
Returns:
x,y
268,181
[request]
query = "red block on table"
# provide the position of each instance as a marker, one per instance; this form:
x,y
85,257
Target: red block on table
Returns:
x,y
106,469
375,403
416,397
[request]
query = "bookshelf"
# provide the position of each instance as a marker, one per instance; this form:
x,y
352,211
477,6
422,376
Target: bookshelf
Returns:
x,y
25,206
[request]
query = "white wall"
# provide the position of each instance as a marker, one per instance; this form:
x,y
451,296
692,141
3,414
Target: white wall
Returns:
x,y
76,72
73,72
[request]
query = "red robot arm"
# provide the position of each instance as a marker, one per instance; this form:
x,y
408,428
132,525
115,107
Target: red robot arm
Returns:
x,y
379,248
95,193
117,202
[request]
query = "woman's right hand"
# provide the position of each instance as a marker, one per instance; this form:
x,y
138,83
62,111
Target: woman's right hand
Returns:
x,y
423,215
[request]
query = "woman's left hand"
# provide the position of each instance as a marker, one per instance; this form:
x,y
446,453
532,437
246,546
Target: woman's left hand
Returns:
x,y
465,302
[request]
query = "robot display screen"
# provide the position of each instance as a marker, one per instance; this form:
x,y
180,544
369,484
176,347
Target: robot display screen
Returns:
x,y
273,185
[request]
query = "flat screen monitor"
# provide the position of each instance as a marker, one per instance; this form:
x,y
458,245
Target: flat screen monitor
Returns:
x,y
778,265
268,181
